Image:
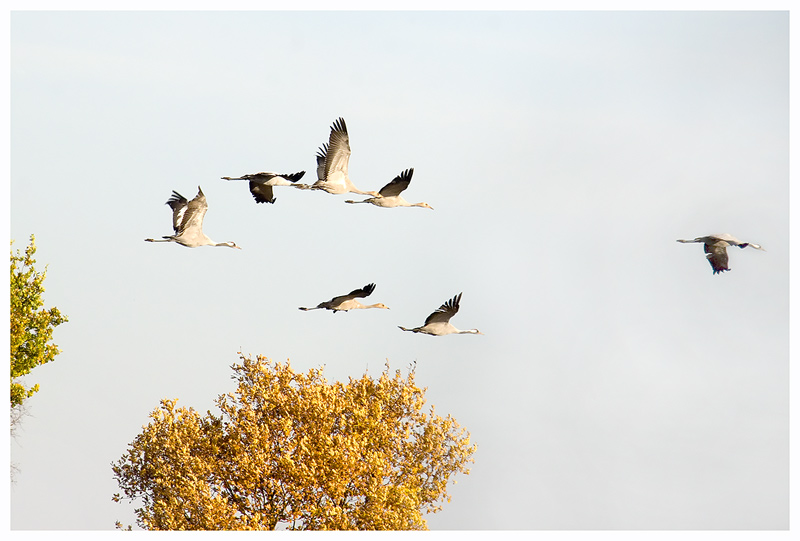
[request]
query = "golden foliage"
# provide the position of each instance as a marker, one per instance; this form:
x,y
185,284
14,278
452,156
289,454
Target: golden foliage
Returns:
x,y
292,450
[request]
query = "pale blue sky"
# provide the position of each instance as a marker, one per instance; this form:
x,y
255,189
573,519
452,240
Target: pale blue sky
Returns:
x,y
619,384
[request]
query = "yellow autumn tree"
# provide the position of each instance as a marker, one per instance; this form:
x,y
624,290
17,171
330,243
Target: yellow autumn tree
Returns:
x,y
292,451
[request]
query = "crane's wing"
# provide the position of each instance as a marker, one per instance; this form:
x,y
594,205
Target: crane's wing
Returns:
x,y
338,153
733,241
322,155
187,215
365,291
728,238
262,193
195,212
178,204
398,184
445,311
717,255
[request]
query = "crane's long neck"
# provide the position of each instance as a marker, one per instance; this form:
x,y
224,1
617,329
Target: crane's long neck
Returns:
x,y
229,244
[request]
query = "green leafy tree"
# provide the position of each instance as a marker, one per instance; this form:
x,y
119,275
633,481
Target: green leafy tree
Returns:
x,y
31,325
290,450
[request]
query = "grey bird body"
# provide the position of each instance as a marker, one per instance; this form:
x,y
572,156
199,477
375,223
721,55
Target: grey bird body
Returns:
x,y
261,183
343,303
716,249
438,323
390,194
187,222
333,159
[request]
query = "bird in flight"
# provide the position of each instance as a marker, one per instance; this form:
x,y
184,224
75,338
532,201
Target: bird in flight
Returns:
x,y
343,303
716,248
187,221
390,194
438,323
332,162
261,183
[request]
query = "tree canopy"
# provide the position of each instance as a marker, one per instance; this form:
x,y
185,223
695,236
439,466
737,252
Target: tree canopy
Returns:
x,y
31,325
290,450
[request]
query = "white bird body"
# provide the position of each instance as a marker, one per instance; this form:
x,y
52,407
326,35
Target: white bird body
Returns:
x,y
187,221
438,323
343,303
261,183
390,194
333,159
716,249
